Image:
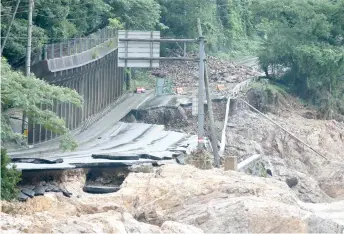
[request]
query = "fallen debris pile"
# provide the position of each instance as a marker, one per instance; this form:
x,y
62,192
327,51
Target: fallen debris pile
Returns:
x,y
185,74
314,178
40,190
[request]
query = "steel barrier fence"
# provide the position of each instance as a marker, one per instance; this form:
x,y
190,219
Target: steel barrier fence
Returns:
x,y
74,45
100,83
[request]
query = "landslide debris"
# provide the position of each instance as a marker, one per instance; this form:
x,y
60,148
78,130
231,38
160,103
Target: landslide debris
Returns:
x,y
185,74
318,179
176,199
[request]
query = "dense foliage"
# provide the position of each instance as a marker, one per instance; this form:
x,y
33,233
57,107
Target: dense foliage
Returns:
x,y
302,38
226,23
9,178
305,38
26,93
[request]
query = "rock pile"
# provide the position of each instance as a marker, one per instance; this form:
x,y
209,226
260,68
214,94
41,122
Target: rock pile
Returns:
x,y
39,190
185,74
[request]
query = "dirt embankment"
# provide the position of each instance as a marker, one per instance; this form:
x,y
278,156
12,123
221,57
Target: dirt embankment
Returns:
x,y
318,179
180,119
174,199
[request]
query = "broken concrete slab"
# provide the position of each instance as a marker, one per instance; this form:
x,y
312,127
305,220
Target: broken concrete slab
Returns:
x,y
117,156
66,193
52,188
155,157
22,197
181,159
109,163
28,192
39,190
36,160
100,189
33,166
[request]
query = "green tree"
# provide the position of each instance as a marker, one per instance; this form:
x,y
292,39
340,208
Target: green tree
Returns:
x,y
137,14
53,21
26,93
304,38
9,178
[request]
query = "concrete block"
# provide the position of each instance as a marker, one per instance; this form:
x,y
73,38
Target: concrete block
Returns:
x,y
231,163
220,87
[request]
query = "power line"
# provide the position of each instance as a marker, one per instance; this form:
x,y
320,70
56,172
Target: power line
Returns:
x,y
54,38
9,28
53,4
53,17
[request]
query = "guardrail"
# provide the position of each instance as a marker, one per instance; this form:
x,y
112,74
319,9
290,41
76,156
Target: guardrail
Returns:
x,y
74,45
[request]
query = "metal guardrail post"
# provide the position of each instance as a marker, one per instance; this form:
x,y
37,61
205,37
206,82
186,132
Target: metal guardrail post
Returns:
x,y
61,49
52,51
101,36
45,51
81,45
68,48
74,46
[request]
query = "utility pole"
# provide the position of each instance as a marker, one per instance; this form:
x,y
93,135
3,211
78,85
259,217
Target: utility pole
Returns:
x,y
211,119
201,88
9,27
28,57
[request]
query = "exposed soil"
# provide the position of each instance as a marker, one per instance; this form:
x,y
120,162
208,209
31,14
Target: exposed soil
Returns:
x,y
180,119
183,198
318,179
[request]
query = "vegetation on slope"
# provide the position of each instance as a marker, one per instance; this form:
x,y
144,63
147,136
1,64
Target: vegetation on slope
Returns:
x,y
27,93
9,178
304,40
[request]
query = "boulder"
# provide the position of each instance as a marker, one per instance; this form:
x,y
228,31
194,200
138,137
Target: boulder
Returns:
x,y
174,227
291,182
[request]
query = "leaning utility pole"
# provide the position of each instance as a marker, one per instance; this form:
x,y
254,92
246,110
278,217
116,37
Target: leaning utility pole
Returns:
x,y
28,55
211,119
29,40
9,27
201,87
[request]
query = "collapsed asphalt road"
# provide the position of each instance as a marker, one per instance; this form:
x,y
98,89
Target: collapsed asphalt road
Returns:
x,y
118,146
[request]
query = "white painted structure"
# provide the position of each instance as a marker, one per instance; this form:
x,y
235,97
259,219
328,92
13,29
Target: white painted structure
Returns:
x,y
138,49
